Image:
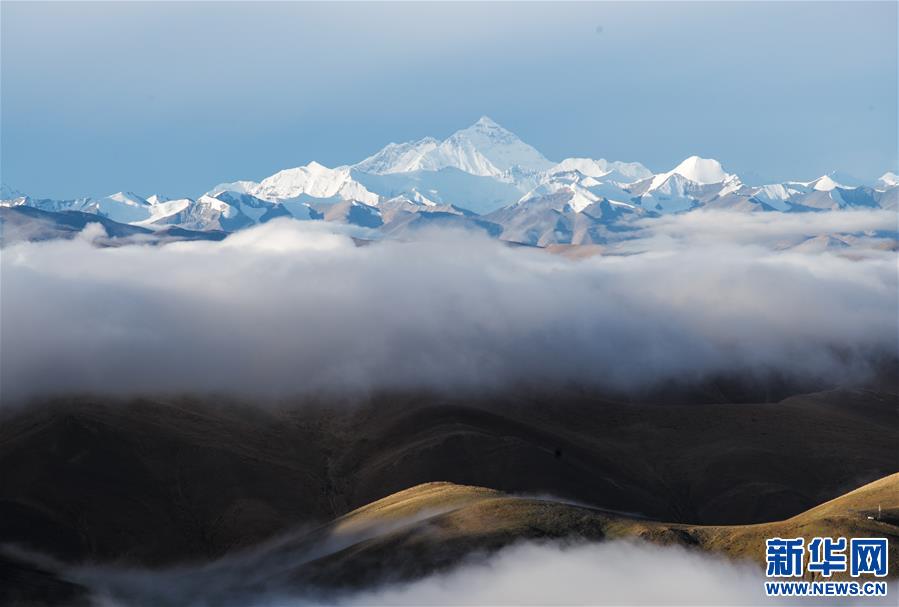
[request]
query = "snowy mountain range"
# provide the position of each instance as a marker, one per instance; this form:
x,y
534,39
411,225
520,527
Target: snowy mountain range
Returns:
x,y
482,177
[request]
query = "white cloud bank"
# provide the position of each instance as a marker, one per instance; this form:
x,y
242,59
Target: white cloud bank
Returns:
x,y
528,573
291,307
594,574
612,573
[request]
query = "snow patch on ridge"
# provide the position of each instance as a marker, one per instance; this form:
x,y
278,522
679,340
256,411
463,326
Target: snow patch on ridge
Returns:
x,y
622,172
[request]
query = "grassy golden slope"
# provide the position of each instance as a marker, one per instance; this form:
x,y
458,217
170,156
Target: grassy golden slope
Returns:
x,y
465,520
845,516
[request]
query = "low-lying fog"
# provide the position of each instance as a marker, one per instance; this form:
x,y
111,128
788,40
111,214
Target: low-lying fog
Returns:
x,y
611,573
294,307
528,573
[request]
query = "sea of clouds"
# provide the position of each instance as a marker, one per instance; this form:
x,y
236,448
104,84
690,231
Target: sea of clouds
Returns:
x,y
526,573
609,573
293,307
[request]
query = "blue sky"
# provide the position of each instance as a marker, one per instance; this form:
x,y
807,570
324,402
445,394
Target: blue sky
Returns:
x,y
176,97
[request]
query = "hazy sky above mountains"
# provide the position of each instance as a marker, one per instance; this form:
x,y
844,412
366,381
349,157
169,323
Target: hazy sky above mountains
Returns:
x,y
176,97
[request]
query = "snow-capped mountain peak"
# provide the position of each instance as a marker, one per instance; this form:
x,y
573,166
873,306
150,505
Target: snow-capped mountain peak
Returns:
x,y
578,198
502,148
888,180
696,169
486,122
128,198
484,148
238,187
123,207
398,157
8,193
825,183
483,171
315,180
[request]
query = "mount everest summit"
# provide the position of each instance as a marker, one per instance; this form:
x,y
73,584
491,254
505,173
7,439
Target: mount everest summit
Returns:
x,y
483,177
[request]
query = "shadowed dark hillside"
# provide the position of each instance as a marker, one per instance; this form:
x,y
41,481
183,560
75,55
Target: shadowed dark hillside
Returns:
x,y
157,482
